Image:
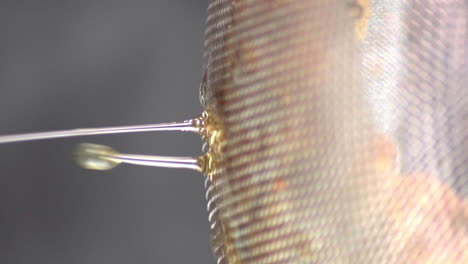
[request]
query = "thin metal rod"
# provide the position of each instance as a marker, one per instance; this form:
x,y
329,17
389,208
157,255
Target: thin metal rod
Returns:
x,y
158,161
188,125
101,157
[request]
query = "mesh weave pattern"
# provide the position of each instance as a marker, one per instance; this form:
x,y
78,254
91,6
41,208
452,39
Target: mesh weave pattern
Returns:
x,y
345,131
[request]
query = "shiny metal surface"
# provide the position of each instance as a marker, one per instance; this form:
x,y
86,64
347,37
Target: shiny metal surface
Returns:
x,y
344,130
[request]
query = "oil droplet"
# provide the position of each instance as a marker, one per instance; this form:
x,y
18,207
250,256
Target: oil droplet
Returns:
x,y
212,136
95,157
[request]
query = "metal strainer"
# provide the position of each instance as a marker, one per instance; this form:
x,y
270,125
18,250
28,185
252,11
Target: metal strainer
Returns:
x,y
344,130
335,131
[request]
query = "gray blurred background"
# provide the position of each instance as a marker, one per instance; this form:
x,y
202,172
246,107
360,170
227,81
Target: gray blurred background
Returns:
x,y
90,63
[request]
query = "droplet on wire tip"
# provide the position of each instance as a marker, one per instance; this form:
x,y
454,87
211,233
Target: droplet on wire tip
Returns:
x,y
100,157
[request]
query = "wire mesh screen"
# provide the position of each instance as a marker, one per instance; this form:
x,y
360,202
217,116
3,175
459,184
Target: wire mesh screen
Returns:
x,y
345,130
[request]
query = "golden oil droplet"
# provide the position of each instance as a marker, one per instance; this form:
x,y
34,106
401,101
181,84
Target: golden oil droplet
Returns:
x,y
212,135
95,157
